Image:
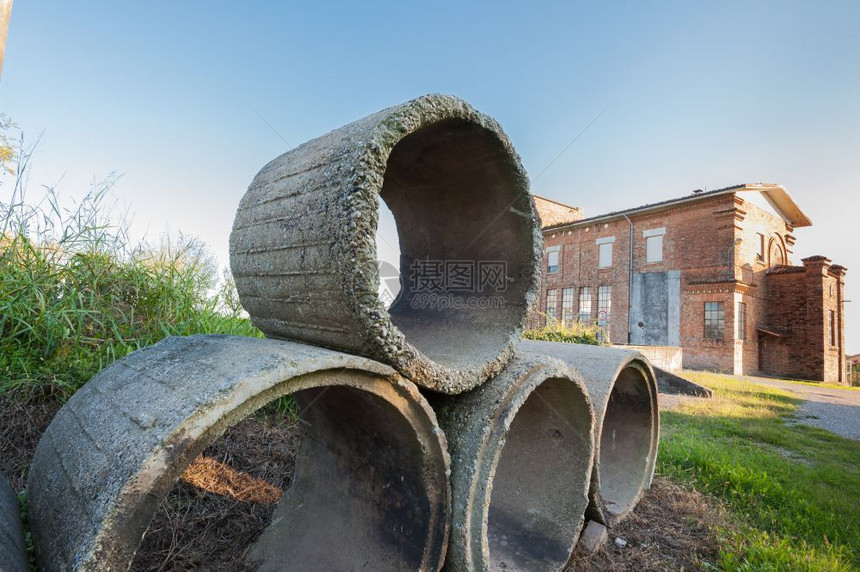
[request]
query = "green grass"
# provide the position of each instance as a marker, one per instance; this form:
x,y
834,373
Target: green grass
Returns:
x,y
795,488
76,294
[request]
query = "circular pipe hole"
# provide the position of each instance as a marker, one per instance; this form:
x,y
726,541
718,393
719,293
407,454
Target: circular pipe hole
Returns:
x,y
359,487
626,441
450,187
371,472
537,501
522,451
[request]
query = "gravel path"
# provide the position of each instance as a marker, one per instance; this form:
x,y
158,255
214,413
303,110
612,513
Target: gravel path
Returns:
x,y
837,410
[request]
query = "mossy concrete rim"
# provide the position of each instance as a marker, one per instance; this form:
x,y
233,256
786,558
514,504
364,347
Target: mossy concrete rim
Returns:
x,y
358,159
390,341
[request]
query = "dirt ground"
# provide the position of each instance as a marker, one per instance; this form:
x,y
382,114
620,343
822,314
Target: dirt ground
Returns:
x,y
226,497
672,528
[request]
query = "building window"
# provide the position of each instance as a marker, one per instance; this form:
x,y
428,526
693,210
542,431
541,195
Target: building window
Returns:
x,y
654,249
604,251
604,257
585,305
604,310
551,306
567,306
552,259
832,327
654,244
604,304
715,320
742,321
760,254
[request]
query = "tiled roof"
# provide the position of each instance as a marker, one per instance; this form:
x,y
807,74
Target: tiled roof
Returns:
x,y
784,269
669,202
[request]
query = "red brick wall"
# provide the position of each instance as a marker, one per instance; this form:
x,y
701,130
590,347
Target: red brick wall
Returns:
x,y
578,266
799,305
700,241
751,269
797,354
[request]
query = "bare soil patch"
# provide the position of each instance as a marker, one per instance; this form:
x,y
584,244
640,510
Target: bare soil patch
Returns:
x,y
672,528
23,419
224,500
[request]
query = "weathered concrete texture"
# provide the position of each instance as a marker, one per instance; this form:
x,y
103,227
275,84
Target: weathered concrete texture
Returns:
x,y
521,450
593,537
623,389
13,554
371,487
303,246
670,358
674,384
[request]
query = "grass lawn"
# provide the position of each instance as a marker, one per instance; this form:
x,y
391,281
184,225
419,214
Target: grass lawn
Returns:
x,y
794,489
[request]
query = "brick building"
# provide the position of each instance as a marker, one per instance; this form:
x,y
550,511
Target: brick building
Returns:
x,y
711,272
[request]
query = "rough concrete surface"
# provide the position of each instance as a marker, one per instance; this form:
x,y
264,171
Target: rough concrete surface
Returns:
x,y
593,537
674,384
521,456
13,554
371,488
303,246
623,389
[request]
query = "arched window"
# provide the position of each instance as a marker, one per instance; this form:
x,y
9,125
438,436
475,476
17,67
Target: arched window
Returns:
x,y
776,252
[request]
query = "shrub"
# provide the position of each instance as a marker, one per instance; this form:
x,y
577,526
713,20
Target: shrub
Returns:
x,y
574,333
77,294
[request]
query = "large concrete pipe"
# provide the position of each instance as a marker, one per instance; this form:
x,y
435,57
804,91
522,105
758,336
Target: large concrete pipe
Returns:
x,y
622,386
521,455
303,247
13,554
372,484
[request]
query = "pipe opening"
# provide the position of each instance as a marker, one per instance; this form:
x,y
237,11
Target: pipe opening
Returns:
x,y
360,493
387,255
344,483
539,491
453,189
625,441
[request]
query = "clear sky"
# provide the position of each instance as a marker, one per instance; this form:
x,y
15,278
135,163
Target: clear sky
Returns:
x,y
176,96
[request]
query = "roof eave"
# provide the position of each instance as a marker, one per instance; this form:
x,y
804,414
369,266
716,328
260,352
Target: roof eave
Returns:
x,y
774,194
782,203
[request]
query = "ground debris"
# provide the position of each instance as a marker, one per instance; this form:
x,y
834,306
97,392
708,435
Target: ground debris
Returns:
x,y
672,528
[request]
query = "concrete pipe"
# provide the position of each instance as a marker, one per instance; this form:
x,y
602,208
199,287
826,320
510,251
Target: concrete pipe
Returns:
x,y
371,488
623,388
303,246
13,554
521,455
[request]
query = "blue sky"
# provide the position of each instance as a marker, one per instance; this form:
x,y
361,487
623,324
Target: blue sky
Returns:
x,y
689,95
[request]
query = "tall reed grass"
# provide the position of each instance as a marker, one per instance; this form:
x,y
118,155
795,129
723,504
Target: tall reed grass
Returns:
x,y
76,293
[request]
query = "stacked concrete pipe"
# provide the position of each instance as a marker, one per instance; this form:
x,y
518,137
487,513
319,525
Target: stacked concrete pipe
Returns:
x,y
118,445
521,452
303,246
623,389
529,437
